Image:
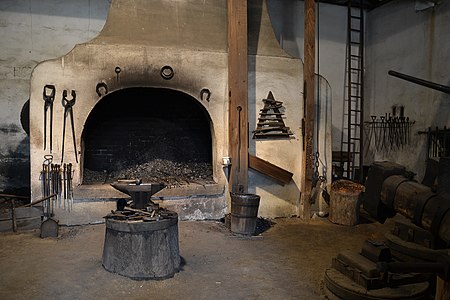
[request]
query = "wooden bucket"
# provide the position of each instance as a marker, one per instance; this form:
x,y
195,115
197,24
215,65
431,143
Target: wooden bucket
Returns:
x,y
244,213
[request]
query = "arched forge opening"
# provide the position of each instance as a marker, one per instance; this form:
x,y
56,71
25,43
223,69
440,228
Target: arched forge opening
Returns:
x,y
155,134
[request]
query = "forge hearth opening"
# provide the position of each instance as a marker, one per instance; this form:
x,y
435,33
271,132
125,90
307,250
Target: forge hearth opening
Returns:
x,y
159,135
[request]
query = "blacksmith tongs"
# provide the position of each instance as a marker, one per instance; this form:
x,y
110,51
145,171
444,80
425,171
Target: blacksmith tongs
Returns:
x,y
68,109
48,96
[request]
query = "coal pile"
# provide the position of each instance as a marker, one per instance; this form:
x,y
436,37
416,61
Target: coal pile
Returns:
x,y
158,170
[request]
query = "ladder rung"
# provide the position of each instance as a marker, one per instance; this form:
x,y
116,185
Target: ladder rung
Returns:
x,y
355,17
354,55
357,69
355,43
355,30
357,83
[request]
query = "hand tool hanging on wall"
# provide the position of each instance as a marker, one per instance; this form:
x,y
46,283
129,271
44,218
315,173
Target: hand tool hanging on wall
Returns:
x,y
388,132
64,184
46,181
68,110
45,175
51,182
67,187
55,181
48,96
438,142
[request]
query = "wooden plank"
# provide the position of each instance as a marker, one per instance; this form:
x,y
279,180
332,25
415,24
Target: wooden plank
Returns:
x,y
22,213
309,107
268,129
13,196
280,175
238,94
340,156
354,259
271,124
270,119
22,224
273,134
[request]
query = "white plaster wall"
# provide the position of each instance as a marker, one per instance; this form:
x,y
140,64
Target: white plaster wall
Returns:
x,y
32,31
283,77
417,44
140,67
288,22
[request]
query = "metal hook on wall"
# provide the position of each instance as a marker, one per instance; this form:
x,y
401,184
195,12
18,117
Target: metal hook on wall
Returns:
x,y
205,94
101,89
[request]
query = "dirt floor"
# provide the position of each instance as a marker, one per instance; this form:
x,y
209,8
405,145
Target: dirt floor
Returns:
x,y
285,262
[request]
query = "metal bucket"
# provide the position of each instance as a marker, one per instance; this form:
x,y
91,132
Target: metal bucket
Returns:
x,y
244,212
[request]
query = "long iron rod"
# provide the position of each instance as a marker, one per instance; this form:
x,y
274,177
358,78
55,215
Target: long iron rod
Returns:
x,y
426,83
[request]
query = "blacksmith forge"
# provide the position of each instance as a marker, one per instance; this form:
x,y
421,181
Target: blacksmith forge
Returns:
x,y
158,74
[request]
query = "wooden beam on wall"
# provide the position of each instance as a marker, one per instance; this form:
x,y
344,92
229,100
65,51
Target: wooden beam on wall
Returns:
x,y
278,174
238,94
309,106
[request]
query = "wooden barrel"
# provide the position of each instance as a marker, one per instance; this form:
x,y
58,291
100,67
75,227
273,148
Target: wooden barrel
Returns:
x,y
345,202
142,250
244,212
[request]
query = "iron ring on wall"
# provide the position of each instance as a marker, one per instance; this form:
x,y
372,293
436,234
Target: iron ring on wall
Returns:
x,y
167,72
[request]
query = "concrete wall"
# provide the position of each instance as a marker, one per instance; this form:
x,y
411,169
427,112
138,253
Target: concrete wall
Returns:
x,y
418,44
397,38
33,31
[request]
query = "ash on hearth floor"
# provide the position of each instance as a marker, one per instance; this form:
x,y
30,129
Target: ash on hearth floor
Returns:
x,y
159,170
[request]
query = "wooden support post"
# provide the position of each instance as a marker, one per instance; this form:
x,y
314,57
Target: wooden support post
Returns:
x,y
238,94
309,107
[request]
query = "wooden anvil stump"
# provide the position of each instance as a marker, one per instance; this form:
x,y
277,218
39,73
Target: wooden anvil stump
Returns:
x,y
142,250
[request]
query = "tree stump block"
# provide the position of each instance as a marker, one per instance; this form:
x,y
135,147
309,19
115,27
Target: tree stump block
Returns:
x,y
345,202
142,250
442,289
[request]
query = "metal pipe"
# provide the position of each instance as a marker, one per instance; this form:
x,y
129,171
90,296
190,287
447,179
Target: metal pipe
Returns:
x,y
426,83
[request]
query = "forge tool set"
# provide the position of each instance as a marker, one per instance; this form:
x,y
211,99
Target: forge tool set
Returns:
x,y
388,132
56,180
48,95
